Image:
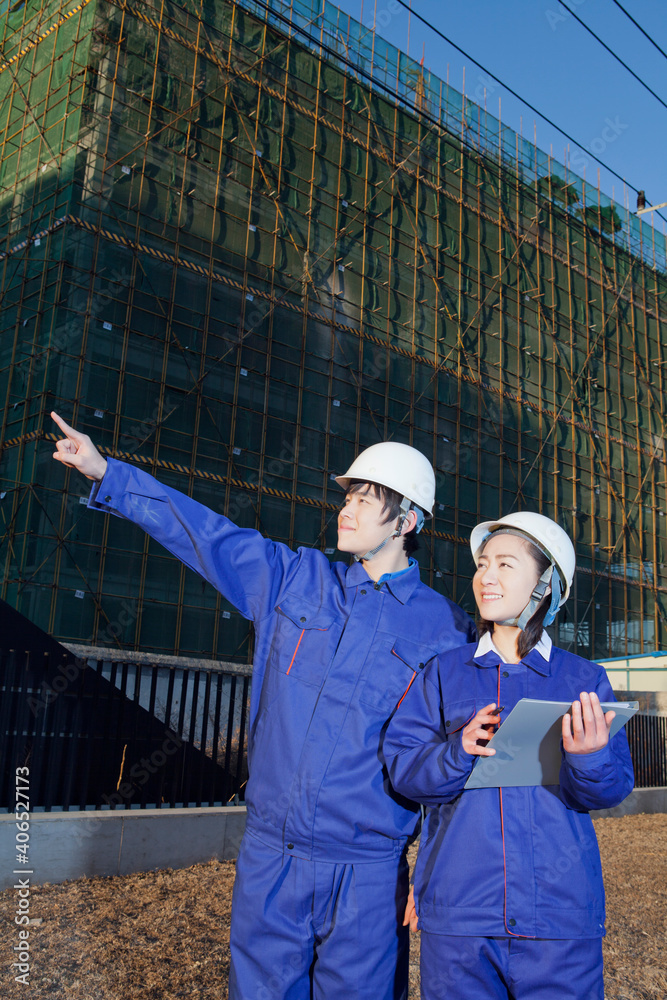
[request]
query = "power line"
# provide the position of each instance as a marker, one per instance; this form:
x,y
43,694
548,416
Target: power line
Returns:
x,y
637,25
611,52
526,103
509,90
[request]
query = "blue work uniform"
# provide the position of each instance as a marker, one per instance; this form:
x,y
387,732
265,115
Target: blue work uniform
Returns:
x,y
499,865
321,877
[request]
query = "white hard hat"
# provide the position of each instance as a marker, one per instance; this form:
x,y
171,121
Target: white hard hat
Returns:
x,y
398,467
547,535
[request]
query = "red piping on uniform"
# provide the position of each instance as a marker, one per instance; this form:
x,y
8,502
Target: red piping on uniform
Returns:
x,y
502,834
296,650
407,688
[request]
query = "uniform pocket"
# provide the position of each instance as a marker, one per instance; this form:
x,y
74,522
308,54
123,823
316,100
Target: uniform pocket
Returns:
x,y
393,669
457,715
304,640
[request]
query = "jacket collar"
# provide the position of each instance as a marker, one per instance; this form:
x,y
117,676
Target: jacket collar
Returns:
x,y
401,585
539,658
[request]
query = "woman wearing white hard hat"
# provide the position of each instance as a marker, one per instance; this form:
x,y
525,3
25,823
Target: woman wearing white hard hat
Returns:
x,y
508,885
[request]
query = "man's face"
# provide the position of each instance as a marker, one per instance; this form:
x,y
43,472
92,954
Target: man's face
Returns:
x,y
360,522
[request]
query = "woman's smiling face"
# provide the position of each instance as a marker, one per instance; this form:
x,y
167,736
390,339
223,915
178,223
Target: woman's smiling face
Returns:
x,y
505,578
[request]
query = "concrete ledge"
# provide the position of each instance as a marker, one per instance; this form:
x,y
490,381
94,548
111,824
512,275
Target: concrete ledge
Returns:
x,y
69,845
650,702
641,800
95,653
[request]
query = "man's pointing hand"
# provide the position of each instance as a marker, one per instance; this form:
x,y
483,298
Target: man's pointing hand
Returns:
x,y
77,451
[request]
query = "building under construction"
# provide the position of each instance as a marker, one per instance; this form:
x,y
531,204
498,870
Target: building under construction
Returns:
x,y
241,241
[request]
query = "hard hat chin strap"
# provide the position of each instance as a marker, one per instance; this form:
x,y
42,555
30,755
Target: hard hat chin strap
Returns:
x,y
536,599
556,595
406,507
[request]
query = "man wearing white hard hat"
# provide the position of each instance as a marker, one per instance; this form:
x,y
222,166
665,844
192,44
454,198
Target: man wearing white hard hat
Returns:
x,y
321,882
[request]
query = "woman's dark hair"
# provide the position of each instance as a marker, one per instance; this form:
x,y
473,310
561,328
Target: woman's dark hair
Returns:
x,y
391,506
530,635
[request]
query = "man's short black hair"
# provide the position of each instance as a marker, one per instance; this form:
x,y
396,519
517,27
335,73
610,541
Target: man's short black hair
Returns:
x,y
391,506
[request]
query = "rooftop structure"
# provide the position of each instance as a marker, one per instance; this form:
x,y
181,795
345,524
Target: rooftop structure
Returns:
x,y
240,241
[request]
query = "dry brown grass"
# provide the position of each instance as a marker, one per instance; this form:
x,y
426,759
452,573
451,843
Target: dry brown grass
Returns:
x,y
163,935
634,861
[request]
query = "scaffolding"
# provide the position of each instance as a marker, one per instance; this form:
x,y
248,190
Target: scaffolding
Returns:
x,y
239,242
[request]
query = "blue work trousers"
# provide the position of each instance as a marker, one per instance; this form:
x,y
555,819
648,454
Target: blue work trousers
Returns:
x,y
509,968
317,930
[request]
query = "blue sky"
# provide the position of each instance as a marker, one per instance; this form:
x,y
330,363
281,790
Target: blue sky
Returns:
x,y
540,51
547,57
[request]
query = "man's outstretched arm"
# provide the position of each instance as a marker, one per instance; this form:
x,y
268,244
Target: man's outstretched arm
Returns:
x,y
248,569
77,451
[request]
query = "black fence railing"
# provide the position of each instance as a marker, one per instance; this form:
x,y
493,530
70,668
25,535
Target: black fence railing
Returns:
x,y
647,737
116,733
121,734
98,732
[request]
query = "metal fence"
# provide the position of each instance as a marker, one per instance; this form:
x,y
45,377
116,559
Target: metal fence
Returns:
x,y
121,734
107,733
99,732
647,736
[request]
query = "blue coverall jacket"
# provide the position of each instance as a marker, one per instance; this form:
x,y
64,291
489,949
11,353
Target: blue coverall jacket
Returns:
x,y
513,861
334,654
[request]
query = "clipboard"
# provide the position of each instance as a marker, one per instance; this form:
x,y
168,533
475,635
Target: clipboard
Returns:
x,y
527,744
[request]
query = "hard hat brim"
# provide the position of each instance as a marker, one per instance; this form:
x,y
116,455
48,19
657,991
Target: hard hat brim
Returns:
x,y
345,481
394,466
481,532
